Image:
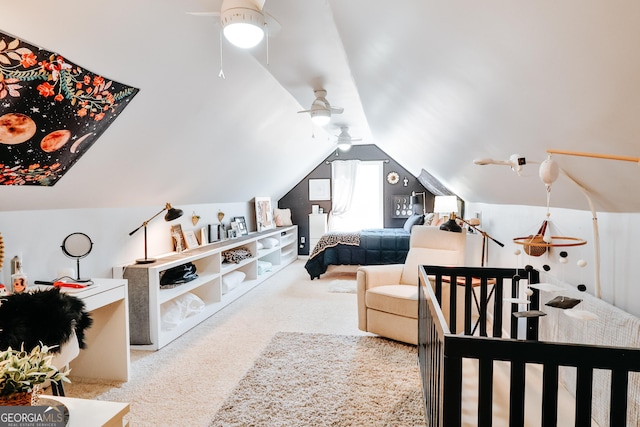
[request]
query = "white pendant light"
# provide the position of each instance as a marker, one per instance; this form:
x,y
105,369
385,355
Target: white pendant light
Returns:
x,y
344,139
243,23
320,116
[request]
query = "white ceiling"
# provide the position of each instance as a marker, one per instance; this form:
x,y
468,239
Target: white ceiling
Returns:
x,y
435,84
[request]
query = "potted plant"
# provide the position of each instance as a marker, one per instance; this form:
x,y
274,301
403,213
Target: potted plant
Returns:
x,y
22,372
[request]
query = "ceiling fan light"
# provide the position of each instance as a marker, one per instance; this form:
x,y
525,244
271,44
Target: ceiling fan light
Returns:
x,y
344,145
243,27
320,117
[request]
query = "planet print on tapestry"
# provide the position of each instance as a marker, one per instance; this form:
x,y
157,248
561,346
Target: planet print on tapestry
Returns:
x,y
51,112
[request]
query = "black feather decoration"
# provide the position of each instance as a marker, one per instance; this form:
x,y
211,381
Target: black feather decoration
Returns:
x,y
46,317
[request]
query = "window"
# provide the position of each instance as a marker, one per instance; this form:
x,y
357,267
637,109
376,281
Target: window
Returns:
x,y
363,208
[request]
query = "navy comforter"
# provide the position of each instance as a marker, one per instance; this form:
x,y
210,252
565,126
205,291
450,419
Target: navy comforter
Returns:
x,y
377,246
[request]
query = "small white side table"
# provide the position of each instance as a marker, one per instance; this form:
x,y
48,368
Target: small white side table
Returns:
x,y
107,353
93,413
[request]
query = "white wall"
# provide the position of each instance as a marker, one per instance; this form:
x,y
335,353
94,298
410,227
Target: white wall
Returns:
x,y
38,235
619,251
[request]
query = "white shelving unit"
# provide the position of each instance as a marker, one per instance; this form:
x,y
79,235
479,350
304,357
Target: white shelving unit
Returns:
x,y
147,299
317,227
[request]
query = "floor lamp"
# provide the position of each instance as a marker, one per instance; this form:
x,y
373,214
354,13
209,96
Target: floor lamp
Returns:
x,y
172,213
485,240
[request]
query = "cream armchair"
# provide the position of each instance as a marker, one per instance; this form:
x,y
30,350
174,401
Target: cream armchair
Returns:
x,y
388,294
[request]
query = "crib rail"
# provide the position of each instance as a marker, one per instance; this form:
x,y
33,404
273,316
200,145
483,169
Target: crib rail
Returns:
x,y
441,355
479,287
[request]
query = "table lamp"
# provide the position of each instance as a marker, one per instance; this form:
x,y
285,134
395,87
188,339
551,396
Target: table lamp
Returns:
x,y
172,213
449,205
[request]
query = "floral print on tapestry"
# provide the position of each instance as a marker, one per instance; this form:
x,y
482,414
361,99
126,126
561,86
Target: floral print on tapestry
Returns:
x,y
51,112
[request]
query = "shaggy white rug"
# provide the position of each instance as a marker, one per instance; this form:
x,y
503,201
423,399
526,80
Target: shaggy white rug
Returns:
x,y
315,380
343,286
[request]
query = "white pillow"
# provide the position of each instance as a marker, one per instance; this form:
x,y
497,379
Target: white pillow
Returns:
x,y
270,242
259,245
282,217
231,280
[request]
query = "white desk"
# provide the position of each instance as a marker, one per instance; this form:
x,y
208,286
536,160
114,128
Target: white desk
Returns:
x,y
107,353
93,413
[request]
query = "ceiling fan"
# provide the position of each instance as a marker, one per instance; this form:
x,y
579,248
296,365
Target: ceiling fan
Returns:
x,y
244,22
321,110
345,141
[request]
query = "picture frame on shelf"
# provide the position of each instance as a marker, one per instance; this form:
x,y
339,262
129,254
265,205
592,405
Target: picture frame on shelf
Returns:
x,y
235,227
190,239
264,214
232,234
179,243
204,236
242,225
320,189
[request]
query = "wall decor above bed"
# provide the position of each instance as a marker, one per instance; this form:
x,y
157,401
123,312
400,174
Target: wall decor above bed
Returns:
x,y
53,111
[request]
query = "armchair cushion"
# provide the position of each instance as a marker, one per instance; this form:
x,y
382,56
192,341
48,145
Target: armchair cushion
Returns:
x,y
401,300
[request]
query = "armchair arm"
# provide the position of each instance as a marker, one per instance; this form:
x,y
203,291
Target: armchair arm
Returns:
x,y
369,277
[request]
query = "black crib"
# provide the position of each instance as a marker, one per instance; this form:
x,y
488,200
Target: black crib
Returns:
x,y
441,353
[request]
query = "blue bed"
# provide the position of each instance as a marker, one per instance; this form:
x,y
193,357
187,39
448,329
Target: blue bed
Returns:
x,y
365,247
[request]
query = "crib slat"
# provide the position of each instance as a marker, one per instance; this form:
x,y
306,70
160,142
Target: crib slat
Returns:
x,y
483,307
619,383
485,392
516,393
550,395
584,394
497,304
452,408
468,290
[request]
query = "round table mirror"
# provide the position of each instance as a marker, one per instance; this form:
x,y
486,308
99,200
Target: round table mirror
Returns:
x,y
77,245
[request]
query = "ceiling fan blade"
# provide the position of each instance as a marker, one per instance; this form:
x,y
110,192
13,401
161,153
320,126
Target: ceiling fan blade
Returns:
x,y
304,111
337,110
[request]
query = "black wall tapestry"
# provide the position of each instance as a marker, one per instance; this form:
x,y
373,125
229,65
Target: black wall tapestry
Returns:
x,y
51,112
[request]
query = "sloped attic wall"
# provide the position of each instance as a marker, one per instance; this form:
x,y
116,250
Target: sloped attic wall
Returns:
x,y
298,198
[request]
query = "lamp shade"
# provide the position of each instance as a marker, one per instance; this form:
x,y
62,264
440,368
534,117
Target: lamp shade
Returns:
x,y
172,213
243,26
446,204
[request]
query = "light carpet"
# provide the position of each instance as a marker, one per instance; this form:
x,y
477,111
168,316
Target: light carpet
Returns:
x,y
304,379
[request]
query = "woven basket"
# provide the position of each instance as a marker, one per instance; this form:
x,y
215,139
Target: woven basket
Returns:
x,y
26,398
535,250
538,238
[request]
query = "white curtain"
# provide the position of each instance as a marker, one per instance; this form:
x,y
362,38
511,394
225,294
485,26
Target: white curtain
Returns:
x,y
343,180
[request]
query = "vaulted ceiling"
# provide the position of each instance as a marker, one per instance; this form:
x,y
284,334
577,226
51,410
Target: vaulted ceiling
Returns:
x,y
435,84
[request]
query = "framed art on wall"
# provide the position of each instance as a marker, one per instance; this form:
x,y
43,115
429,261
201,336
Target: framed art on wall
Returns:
x,y
320,189
264,213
